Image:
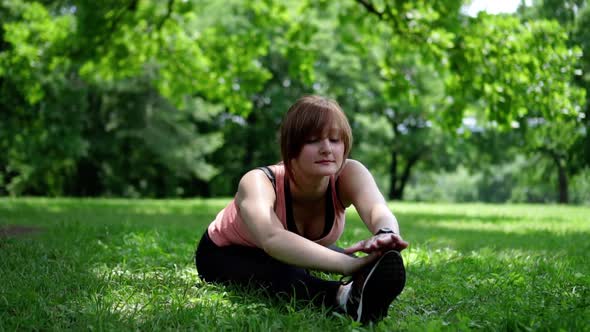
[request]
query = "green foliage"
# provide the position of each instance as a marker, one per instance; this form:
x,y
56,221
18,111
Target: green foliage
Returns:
x,y
374,133
517,70
514,181
393,83
567,143
180,98
138,122
40,130
35,37
251,140
458,186
180,46
580,188
100,88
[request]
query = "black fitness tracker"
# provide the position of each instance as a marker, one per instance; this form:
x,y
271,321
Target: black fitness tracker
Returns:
x,y
385,230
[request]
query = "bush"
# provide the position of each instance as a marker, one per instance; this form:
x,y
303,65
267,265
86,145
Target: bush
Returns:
x,y
520,181
579,189
457,186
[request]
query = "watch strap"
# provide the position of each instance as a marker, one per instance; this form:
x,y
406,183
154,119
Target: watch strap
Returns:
x,y
385,230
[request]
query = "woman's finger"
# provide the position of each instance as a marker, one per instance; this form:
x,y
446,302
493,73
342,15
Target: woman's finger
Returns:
x,y
359,246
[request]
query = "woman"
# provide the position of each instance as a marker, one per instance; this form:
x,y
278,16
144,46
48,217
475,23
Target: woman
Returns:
x,y
285,219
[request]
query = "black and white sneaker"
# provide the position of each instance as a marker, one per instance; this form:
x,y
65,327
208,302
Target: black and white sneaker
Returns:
x,y
375,287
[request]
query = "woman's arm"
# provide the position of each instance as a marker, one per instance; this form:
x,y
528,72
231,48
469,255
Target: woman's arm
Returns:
x,y
357,187
255,200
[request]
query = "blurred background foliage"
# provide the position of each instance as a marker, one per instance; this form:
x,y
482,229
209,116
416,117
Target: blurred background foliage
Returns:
x,y
180,98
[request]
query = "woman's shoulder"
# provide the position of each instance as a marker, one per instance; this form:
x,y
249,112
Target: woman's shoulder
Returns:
x,y
264,172
353,178
260,178
352,167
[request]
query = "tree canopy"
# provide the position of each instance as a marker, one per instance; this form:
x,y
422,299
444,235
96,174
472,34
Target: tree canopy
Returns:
x,y
180,98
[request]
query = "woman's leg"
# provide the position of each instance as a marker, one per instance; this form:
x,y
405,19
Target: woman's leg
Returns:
x,y
246,265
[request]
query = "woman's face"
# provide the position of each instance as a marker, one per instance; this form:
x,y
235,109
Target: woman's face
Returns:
x,y
321,155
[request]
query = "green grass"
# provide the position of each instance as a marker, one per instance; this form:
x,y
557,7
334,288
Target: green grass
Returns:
x,y
128,265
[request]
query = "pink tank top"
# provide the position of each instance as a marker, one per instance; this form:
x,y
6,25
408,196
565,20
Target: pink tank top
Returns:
x,y
229,229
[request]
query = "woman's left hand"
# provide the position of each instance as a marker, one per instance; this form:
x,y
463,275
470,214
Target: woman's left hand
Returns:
x,y
379,243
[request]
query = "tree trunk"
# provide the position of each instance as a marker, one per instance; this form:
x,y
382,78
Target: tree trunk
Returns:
x,y
200,188
398,184
562,184
562,180
393,194
406,175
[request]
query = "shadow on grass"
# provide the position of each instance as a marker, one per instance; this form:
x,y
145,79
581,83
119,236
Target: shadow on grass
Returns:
x,y
569,243
498,218
495,272
113,277
500,232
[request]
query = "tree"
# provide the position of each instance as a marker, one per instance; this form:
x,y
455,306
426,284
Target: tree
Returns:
x,y
574,17
388,85
494,67
93,90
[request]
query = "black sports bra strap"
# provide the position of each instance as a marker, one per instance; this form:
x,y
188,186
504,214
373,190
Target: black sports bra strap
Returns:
x,y
338,191
270,175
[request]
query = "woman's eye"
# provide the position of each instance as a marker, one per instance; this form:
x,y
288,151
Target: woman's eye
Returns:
x,y
335,140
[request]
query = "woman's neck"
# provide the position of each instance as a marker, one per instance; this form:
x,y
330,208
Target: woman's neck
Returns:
x,y
308,190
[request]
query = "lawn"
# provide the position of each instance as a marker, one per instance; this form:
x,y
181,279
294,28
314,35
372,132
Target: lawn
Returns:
x,y
109,264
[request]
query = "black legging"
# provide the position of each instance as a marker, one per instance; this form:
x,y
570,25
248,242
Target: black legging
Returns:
x,y
244,265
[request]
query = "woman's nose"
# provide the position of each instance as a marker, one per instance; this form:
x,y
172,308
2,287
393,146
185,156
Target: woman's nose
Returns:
x,y
325,146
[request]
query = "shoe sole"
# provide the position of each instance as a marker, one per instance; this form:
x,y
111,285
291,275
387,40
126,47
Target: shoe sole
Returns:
x,y
385,282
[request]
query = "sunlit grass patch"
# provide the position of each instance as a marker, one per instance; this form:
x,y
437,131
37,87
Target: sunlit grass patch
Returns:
x,y
128,265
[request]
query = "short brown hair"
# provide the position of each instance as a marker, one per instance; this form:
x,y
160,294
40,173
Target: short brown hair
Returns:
x,y
310,116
